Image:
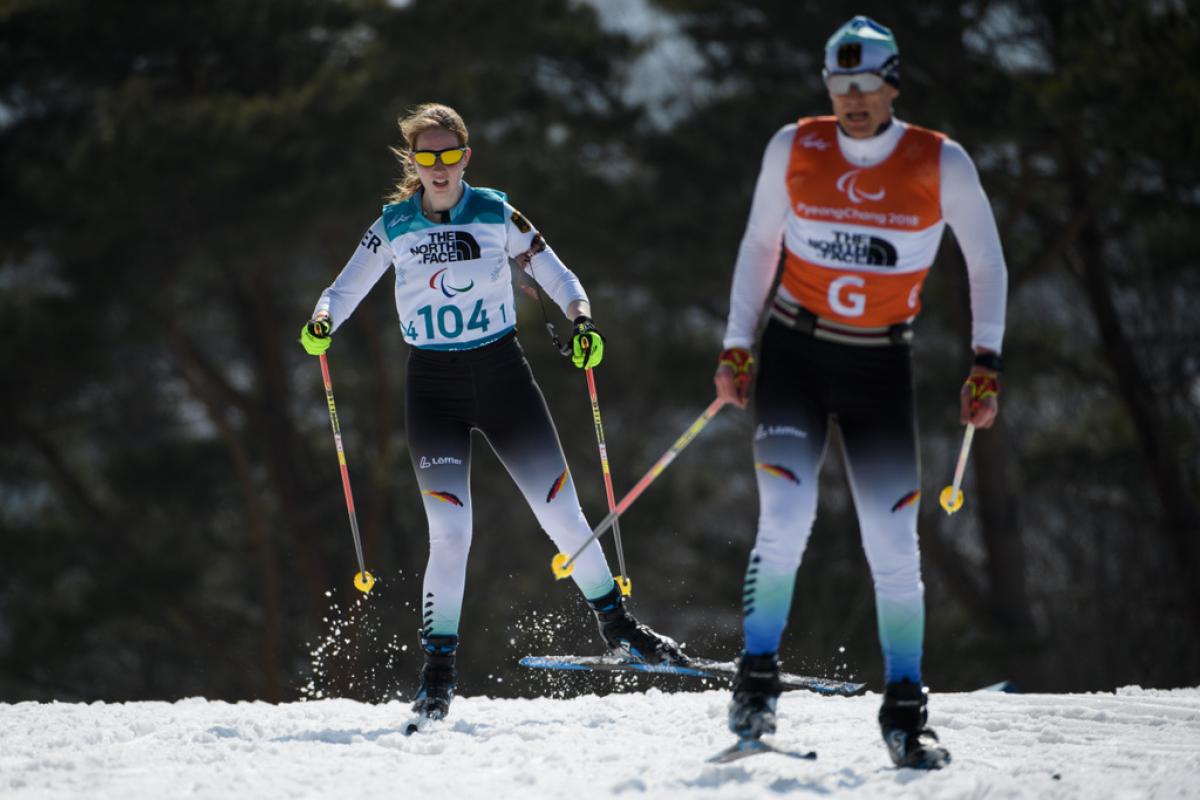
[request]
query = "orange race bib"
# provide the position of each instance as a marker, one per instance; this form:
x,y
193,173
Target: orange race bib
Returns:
x,y
860,240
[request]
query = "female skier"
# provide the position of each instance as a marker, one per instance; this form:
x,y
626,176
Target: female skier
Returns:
x,y
450,245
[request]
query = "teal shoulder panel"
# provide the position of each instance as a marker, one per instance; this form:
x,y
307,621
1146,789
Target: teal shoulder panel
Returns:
x,y
404,217
483,206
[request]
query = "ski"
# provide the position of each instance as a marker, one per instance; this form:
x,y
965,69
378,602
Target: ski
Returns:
x,y
696,667
744,748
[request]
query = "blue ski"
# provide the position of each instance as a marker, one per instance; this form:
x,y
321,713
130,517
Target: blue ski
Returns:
x,y
696,667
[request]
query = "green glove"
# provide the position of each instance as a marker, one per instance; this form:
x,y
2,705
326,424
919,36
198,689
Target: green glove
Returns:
x,y
587,345
314,336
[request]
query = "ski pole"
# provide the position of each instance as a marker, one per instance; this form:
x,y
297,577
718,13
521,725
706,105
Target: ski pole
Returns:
x,y
563,565
623,579
951,497
363,581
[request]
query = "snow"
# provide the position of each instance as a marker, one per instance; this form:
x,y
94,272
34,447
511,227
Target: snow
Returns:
x,y
653,744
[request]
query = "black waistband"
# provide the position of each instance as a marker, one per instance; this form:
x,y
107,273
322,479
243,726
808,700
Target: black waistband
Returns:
x,y
801,319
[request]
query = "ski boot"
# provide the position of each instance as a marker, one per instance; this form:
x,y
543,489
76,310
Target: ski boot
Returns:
x,y
755,693
910,742
437,677
627,637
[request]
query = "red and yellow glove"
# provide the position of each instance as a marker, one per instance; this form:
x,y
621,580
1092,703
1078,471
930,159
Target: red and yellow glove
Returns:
x,y
735,372
980,399
980,387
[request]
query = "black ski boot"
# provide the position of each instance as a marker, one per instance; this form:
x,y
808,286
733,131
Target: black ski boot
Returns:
x,y
437,677
627,637
755,693
910,742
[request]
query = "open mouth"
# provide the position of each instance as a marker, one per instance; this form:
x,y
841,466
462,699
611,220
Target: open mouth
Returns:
x,y
857,116
441,183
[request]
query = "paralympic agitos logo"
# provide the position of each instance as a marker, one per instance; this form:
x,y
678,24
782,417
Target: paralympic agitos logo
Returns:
x,y
443,246
438,281
848,184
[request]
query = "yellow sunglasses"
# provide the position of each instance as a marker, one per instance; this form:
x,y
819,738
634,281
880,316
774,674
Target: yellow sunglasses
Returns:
x,y
450,156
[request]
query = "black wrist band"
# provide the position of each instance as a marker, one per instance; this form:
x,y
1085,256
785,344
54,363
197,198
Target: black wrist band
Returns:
x,y
991,361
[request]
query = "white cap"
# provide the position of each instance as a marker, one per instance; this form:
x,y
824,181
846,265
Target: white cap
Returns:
x,y
863,45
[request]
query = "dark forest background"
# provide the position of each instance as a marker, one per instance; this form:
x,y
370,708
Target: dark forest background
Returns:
x,y
181,179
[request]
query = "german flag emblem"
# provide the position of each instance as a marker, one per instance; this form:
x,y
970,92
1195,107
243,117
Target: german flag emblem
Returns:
x,y
557,487
907,500
779,471
445,497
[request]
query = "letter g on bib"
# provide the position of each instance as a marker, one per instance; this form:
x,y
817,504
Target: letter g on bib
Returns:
x,y
849,304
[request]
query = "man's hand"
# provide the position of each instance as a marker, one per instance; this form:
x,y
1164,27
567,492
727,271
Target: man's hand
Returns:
x,y
314,336
735,373
979,401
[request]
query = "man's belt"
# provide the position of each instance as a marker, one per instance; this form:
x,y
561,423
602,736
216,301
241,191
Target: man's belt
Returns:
x,y
801,319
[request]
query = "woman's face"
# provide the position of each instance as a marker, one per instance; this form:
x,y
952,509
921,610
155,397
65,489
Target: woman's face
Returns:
x,y
442,183
861,113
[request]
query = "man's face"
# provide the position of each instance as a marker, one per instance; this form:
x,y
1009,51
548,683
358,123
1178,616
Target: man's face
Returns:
x,y
861,113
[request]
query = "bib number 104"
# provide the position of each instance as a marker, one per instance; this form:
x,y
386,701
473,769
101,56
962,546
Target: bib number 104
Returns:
x,y
449,321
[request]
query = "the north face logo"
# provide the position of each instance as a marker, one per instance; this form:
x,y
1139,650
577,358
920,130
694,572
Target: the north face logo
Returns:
x,y
856,248
443,246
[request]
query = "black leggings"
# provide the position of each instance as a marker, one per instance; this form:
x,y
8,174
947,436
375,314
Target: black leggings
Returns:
x,y
489,389
804,385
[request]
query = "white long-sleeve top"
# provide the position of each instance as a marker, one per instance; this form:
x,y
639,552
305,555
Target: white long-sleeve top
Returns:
x,y
453,283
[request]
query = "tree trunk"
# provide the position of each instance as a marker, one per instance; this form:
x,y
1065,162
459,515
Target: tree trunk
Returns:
x,y
1180,523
